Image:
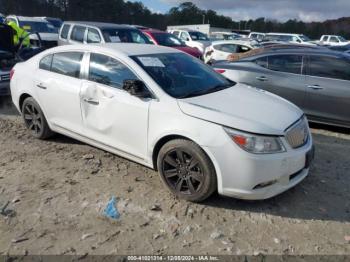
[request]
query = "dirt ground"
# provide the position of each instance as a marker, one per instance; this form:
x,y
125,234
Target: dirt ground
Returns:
x,y
58,188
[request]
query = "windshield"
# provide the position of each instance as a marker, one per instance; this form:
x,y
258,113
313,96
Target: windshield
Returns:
x,y
40,27
167,39
304,38
116,35
182,76
342,39
198,36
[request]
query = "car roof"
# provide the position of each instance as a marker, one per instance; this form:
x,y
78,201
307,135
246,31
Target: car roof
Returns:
x,y
151,30
100,25
287,49
283,34
128,49
28,18
237,42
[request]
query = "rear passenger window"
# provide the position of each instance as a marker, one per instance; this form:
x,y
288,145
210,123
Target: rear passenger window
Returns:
x,y
228,48
67,63
78,34
45,63
108,71
285,63
93,36
329,67
64,31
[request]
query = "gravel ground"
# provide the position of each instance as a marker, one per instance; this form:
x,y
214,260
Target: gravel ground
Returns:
x,y
58,188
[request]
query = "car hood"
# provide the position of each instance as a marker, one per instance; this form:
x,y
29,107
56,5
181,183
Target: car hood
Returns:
x,y
244,108
189,50
45,36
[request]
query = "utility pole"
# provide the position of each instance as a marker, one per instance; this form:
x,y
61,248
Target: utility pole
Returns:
x,y
203,18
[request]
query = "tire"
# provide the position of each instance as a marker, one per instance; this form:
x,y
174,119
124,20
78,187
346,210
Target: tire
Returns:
x,y
186,170
35,120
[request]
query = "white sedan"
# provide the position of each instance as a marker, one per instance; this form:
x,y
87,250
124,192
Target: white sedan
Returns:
x,y
167,110
220,50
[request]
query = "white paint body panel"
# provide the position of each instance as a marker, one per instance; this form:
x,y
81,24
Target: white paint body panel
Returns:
x,y
131,127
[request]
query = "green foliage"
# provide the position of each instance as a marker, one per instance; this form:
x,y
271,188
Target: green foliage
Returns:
x,y
125,12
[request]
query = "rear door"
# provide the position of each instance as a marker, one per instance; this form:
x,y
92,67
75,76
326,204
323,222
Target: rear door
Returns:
x,y
58,86
328,88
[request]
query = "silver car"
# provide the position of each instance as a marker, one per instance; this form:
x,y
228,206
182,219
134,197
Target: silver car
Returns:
x,y
315,79
94,32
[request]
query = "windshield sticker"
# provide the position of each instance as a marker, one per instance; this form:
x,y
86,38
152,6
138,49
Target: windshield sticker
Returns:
x,y
27,27
151,61
115,39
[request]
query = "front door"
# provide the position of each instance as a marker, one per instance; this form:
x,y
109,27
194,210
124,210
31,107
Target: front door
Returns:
x,y
112,116
328,89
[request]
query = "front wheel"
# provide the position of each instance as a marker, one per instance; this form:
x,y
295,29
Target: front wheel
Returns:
x,y
186,170
35,120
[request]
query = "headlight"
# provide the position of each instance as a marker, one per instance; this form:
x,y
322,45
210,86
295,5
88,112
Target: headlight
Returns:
x,y
256,144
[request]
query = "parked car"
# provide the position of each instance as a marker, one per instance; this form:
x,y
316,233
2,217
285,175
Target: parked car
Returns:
x,y
256,36
56,22
218,36
166,39
333,40
315,79
94,32
193,38
220,50
167,110
290,38
47,32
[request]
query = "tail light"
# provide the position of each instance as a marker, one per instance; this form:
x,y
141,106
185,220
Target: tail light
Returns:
x,y
12,72
220,71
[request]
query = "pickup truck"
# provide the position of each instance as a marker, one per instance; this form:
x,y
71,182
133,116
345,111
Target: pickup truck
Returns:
x,y
333,40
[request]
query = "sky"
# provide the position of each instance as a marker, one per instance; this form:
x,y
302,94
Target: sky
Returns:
x,y
282,10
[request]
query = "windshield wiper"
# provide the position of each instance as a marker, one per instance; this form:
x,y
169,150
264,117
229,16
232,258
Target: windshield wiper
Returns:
x,y
207,91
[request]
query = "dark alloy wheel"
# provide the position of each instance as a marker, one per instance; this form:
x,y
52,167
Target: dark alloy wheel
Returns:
x,y
186,170
34,119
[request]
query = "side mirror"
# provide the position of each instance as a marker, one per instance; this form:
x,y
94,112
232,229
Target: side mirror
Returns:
x,y
136,88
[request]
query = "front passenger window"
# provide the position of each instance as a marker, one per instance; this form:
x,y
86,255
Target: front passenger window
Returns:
x,y
108,71
93,36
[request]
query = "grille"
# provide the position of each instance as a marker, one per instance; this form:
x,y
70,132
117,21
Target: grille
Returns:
x,y
298,134
4,77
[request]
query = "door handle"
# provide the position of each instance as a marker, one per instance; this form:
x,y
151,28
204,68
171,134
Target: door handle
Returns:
x,y
91,101
315,87
41,86
261,78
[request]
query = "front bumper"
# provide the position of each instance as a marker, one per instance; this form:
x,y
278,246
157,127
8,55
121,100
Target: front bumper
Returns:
x,y
255,177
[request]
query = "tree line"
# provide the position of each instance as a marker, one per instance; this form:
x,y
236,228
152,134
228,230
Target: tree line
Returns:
x,y
125,12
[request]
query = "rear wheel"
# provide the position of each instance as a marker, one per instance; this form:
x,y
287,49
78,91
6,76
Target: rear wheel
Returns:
x,y
35,120
186,170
